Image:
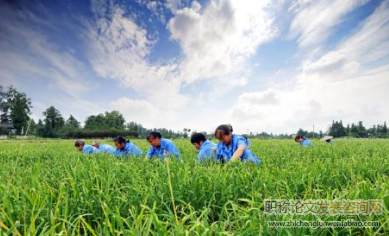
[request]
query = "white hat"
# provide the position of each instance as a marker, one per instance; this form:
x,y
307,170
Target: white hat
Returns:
x,y
95,143
325,138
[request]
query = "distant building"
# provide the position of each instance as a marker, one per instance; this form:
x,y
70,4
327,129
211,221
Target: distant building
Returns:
x,y
8,127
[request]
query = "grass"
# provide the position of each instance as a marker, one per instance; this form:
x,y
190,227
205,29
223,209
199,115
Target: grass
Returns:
x,y
47,188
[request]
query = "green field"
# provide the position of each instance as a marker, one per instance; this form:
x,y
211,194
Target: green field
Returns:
x,y
47,187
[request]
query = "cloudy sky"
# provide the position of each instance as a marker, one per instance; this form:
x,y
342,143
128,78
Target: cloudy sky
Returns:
x,y
269,65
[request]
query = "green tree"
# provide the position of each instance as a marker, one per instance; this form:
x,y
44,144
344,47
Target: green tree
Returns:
x,y
95,122
362,133
337,129
114,120
20,107
15,107
302,132
53,122
135,128
70,128
40,128
72,123
384,130
108,120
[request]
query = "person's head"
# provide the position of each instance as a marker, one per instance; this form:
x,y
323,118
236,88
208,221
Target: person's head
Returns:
x,y
154,138
223,134
198,139
328,140
299,138
79,145
120,142
230,126
96,144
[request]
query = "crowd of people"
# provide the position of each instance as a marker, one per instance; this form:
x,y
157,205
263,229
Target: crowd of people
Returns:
x,y
231,147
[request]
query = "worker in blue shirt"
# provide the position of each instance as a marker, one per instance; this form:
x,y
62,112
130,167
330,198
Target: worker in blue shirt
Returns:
x,y
103,148
302,141
125,148
84,148
161,148
233,147
243,135
206,148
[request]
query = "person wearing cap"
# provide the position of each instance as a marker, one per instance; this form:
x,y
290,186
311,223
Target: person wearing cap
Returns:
x,y
303,141
328,139
233,147
161,148
84,148
206,148
103,148
125,148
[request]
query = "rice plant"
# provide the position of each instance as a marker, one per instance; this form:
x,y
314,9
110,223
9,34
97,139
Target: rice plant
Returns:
x,y
47,188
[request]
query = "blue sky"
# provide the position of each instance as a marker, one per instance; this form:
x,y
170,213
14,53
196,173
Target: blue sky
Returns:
x,y
271,66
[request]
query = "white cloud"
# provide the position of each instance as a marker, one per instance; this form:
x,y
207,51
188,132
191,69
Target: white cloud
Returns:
x,y
120,52
353,56
218,38
348,83
48,72
173,5
29,55
218,41
136,110
311,102
315,20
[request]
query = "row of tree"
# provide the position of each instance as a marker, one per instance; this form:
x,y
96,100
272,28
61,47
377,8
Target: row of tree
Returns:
x,y
109,124
338,130
15,110
358,130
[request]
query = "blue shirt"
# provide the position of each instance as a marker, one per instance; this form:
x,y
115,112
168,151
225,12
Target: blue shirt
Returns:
x,y
305,143
166,145
224,153
105,148
88,149
206,151
129,150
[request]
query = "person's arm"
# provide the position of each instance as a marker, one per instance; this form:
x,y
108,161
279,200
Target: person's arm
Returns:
x,y
238,153
116,153
218,156
201,157
149,154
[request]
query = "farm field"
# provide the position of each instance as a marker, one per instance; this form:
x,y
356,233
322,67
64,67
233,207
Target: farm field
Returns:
x,y
47,187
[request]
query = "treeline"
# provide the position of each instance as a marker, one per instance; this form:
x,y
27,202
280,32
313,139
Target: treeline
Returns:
x,y
15,111
108,124
337,129
358,130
